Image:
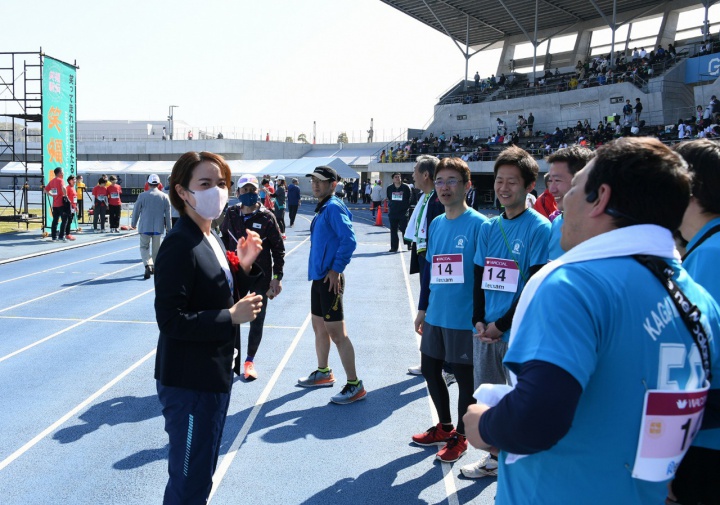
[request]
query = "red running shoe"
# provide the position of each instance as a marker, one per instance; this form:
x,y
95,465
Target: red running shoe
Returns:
x,y
434,436
454,449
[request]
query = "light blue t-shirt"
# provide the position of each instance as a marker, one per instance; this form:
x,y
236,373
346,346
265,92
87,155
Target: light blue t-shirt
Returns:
x,y
523,239
554,249
702,265
615,329
451,304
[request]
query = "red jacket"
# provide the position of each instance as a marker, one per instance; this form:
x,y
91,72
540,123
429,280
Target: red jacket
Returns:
x,y
72,196
113,192
55,187
545,204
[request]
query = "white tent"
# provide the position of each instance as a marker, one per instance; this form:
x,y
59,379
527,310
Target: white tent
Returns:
x,y
286,167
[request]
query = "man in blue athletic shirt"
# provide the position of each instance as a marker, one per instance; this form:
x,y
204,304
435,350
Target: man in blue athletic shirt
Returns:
x,y
447,281
512,247
563,165
611,358
698,478
332,242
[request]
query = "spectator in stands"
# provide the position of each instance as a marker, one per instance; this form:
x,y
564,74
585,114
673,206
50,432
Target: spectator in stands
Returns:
x,y
520,124
627,112
530,123
477,80
579,67
643,53
493,81
638,110
573,84
501,127
671,51
660,54
220,136
712,108
635,55
683,130
382,156
502,80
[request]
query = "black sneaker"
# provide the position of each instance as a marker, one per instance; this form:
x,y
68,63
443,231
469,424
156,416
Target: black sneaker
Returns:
x,y
148,272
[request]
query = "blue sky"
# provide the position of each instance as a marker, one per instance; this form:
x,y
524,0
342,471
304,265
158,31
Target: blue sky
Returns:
x,y
272,65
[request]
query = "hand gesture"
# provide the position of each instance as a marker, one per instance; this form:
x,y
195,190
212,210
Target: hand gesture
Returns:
x,y
246,309
248,249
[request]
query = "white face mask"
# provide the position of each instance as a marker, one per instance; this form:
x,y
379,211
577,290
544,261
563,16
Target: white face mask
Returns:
x,y
209,203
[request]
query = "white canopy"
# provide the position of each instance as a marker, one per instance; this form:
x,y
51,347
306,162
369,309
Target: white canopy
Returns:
x,y
288,167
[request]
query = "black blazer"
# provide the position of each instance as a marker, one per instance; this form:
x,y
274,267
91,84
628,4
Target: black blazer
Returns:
x,y
192,298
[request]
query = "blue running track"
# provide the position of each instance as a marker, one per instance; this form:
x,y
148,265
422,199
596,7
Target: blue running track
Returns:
x,y
80,422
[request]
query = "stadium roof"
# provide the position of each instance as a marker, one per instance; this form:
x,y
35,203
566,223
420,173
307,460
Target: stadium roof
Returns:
x,y
491,21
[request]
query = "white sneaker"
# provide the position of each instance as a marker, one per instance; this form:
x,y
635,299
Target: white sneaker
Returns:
x,y
415,370
486,467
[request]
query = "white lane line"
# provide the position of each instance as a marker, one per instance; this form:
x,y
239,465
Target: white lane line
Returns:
x,y
240,438
72,287
448,477
65,265
65,330
61,249
73,319
22,450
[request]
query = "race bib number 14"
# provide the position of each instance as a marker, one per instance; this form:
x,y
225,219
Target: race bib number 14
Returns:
x,y
500,275
447,269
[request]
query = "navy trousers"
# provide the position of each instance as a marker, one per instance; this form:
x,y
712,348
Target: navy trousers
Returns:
x,y
194,421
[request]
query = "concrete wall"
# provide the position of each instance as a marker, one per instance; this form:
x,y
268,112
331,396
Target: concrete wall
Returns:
x,y
556,109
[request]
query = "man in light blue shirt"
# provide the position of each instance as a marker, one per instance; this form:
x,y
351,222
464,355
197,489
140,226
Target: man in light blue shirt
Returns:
x,y
697,479
612,372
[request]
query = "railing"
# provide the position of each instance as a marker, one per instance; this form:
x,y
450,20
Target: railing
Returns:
x,y
233,133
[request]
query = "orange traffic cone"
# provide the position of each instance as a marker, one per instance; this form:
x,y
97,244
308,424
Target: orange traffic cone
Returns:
x,y
385,207
378,217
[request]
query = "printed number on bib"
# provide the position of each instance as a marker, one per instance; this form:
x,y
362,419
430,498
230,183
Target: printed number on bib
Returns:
x,y
670,421
53,191
447,269
114,195
500,275
397,197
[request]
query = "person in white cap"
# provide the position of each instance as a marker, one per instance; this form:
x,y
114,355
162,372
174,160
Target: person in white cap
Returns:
x,y
250,214
154,206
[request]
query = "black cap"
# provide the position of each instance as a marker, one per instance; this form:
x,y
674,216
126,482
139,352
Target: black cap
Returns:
x,y
324,173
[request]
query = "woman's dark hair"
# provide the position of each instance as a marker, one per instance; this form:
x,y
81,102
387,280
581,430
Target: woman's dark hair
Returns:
x,y
183,170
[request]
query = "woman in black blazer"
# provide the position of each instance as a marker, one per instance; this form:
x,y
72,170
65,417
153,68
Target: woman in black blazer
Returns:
x,y
199,303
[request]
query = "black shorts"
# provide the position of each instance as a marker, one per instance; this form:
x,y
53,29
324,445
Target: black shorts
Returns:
x,y
326,304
